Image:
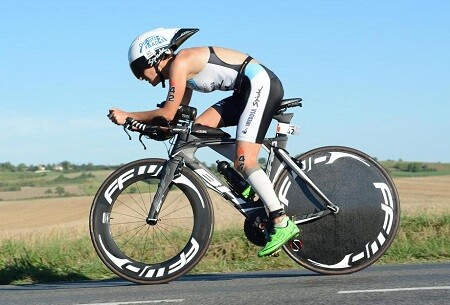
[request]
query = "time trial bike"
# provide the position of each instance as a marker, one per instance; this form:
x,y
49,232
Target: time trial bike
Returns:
x,y
152,220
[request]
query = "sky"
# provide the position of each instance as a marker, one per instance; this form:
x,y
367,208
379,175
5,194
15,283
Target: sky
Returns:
x,y
373,75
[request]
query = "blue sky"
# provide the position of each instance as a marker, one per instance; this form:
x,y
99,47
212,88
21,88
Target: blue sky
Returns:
x,y
374,75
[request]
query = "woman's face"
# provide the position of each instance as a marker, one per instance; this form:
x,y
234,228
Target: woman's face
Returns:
x,y
150,76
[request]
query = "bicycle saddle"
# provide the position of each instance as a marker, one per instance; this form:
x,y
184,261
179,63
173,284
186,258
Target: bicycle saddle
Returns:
x,y
202,131
290,102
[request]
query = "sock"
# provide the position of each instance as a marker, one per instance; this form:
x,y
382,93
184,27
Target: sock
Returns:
x,y
263,187
283,223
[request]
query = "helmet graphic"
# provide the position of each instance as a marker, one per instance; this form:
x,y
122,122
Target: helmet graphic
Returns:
x,y
148,48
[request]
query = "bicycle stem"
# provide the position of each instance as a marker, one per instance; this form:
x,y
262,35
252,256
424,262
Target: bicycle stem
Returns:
x,y
170,171
287,159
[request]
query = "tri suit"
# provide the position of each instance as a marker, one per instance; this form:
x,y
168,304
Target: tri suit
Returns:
x,y
257,94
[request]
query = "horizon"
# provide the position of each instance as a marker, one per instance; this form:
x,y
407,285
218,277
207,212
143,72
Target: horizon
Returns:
x,y
115,165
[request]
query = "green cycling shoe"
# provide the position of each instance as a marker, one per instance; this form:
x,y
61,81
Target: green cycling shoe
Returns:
x,y
283,232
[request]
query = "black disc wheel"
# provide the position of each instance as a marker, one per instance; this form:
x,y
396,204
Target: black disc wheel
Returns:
x,y
365,224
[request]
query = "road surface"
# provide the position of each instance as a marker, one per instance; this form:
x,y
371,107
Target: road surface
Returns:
x,y
390,284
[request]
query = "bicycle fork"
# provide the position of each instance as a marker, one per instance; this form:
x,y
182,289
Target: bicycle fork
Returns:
x,y
171,170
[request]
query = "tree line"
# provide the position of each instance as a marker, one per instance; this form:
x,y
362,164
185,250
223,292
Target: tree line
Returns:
x,y
413,167
64,166
67,166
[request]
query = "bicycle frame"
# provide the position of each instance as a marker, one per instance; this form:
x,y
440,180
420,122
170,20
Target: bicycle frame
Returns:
x,y
180,223
183,154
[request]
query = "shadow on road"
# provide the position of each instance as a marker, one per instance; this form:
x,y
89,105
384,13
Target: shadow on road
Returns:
x,y
187,278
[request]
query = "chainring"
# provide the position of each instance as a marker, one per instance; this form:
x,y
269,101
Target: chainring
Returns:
x,y
257,229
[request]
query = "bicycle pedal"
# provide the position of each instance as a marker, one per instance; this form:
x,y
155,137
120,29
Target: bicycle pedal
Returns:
x,y
276,253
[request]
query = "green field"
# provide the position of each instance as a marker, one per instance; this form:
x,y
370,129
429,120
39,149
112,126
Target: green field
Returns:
x,y
415,169
54,183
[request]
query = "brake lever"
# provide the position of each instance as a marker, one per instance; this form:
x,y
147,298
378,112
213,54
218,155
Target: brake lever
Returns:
x,y
128,125
140,140
125,127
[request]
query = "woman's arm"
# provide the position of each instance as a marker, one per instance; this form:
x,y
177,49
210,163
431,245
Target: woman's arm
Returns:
x,y
178,94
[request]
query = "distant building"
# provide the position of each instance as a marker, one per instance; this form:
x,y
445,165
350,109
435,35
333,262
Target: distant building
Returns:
x,y
58,168
41,169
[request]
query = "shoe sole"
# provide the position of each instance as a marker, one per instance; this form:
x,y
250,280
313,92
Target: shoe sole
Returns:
x,y
293,234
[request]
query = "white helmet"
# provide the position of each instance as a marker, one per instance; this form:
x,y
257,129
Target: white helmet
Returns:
x,y
148,48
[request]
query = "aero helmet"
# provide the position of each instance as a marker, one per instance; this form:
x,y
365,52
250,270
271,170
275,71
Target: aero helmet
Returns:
x,y
148,48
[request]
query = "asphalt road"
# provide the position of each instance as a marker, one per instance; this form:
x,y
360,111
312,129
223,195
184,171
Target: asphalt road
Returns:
x,y
394,284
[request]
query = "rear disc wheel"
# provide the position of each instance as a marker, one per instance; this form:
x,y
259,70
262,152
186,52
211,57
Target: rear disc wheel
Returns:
x,y
368,217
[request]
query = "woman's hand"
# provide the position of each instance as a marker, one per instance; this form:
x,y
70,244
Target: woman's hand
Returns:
x,y
118,116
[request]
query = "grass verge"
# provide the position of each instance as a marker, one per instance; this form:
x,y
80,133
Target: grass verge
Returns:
x,y
69,256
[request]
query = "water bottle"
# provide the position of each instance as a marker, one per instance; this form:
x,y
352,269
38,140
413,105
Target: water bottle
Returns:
x,y
237,183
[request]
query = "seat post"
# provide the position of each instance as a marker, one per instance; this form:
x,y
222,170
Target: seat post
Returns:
x,y
284,118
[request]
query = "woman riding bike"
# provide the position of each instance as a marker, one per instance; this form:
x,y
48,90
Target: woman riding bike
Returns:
x,y
256,97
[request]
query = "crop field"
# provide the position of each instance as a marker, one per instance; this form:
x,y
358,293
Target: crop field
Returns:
x,y
38,214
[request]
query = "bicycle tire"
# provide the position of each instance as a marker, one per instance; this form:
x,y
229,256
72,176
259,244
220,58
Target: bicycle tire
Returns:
x,y
143,253
368,216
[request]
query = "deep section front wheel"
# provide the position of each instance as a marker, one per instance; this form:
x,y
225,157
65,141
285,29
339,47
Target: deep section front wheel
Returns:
x,y
141,252
367,220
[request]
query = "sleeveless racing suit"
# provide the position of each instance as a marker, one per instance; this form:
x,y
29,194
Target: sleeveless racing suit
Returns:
x,y
257,94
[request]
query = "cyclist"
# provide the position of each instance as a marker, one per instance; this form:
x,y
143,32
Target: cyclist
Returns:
x,y
256,97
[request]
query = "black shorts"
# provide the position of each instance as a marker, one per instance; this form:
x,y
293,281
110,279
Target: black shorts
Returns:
x,y
254,103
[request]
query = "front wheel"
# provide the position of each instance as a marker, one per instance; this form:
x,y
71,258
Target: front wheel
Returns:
x,y
368,217
144,253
